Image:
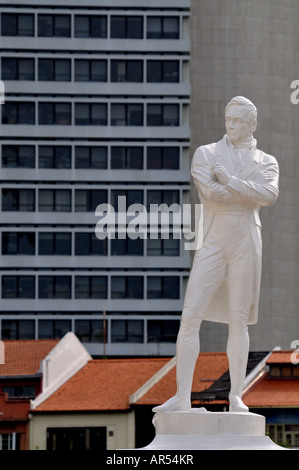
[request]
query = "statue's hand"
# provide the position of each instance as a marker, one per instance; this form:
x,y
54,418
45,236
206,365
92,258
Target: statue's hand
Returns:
x,y
221,173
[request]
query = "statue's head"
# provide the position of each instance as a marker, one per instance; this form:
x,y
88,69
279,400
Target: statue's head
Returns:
x,y
240,118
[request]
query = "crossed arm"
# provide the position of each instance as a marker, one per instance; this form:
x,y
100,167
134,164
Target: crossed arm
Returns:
x,y
215,184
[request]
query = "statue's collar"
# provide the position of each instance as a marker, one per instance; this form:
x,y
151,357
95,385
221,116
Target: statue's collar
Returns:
x,y
248,143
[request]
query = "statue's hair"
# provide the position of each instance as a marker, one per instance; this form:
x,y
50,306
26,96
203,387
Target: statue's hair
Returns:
x,y
251,111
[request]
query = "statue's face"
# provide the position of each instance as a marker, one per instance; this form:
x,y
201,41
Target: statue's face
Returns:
x,y
237,127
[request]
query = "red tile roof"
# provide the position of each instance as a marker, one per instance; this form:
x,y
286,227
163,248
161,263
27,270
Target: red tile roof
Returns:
x,y
273,393
209,367
23,357
280,357
103,384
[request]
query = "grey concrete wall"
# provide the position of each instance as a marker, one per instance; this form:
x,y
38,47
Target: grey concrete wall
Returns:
x,y
251,48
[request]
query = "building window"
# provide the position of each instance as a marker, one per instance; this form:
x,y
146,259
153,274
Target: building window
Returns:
x,y
163,247
126,71
87,200
18,113
18,243
54,287
126,287
17,69
17,24
54,156
54,113
127,247
90,70
162,27
127,331
54,26
18,200
163,158
168,197
18,329
163,287
162,114
159,71
91,287
127,115
18,156
54,243
90,26
53,329
133,196
87,244
19,391
162,331
54,200
58,70
90,331
130,27
94,114
126,158
91,157
18,287
64,439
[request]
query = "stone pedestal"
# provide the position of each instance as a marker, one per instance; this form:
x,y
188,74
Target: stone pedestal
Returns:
x,y
197,430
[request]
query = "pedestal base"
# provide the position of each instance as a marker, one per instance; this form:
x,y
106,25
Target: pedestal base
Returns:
x,y
196,430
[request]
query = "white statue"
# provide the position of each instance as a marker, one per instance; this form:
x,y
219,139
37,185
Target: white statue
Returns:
x,y
234,179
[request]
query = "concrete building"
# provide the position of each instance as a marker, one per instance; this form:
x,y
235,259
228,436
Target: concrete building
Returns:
x,y
250,48
96,107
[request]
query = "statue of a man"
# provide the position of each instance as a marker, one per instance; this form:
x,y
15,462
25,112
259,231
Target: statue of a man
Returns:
x,y
234,179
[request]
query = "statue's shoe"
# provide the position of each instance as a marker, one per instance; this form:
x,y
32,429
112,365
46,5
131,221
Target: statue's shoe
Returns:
x,y
236,404
174,404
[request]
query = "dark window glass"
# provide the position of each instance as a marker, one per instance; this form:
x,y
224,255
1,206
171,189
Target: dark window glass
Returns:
x,y
17,24
162,115
53,329
133,196
18,113
130,27
18,156
162,71
58,200
18,200
90,331
130,158
18,243
126,70
163,158
18,329
88,244
54,243
54,70
163,27
90,287
156,196
127,331
163,287
163,247
54,156
19,391
90,26
54,113
90,70
120,247
91,157
17,69
88,200
90,114
54,287
126,287
64,439
54,25
162,331
127,115
18,287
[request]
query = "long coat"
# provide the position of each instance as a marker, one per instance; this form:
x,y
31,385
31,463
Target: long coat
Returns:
x,y
255,185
